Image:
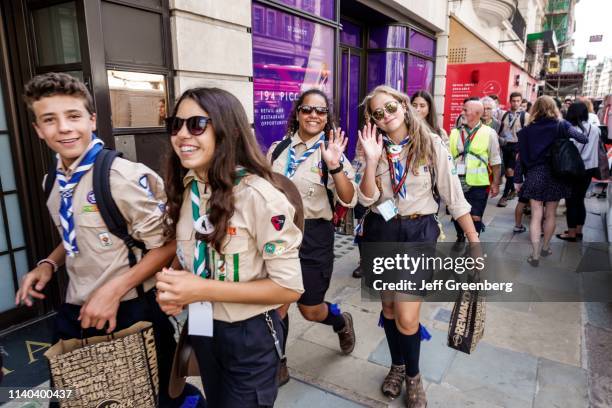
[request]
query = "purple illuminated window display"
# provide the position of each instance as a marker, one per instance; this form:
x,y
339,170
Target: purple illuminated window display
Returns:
x,y
386,68
422,44
321,8
297,57
420,75
387,37
350,34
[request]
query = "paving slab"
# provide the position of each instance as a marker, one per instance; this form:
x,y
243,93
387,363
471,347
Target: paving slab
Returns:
x,y
497,375
600,391
599,314
560,386
599,346
298,394
436,356
446,396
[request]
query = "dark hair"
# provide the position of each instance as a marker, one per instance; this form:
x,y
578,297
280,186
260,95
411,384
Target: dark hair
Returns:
x,y
524,101
235,145
432,117
558,102
57,83
515,95
471,98
494,97
293,124
529,105
577,113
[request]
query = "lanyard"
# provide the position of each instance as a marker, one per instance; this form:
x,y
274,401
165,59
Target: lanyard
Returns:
x,y
200,255
471,136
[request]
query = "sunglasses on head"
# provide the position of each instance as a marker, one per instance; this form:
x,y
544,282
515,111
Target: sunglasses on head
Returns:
x,y
389,107
307,109
196,125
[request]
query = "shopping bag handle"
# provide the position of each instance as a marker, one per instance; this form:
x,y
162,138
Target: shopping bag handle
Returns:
x,y
84,340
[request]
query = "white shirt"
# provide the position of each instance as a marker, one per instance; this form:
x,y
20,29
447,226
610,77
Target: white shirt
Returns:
x,y
589,151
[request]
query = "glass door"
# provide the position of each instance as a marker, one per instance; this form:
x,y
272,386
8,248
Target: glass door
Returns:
x,y
350,114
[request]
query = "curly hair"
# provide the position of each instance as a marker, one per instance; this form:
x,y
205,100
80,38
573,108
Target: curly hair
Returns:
x,y
420,149
57,83
293,124
235,145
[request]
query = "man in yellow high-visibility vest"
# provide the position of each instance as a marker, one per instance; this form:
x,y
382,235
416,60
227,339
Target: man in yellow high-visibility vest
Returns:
x,y
475,148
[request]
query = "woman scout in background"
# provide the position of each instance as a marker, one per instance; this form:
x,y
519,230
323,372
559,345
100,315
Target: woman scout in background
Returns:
x,y
311,153
401,164
237,245
422,102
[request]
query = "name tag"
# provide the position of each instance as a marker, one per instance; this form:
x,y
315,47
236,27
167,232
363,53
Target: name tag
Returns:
x,y
387,209
461,169
200,319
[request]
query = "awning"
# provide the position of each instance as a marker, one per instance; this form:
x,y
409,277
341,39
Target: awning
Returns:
x,y
547,37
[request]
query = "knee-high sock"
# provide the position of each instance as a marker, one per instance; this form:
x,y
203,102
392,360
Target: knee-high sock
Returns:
x,y
411,350
393,340
478,226
460,232
509,186
334,317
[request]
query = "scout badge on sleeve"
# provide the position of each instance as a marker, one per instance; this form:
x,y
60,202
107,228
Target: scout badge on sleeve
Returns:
x,y
278,221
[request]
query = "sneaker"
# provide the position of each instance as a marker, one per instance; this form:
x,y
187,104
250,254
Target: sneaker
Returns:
x,y
283,373
519,228
392,385
346,336
415,394
511,195
503,202
357,272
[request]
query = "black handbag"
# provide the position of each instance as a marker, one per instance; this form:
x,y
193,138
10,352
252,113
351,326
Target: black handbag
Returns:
x,y
565,159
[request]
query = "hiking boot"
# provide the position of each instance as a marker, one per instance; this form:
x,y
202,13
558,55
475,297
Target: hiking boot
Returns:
x,y
415,394
503,202
357,272
392,386
283,373
346,336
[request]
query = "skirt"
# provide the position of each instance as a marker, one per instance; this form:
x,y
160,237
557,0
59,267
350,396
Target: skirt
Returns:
x,y
542,185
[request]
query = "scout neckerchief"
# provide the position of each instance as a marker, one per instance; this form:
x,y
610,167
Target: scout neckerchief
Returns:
x,y
293,163
66,190
397,171
201,263
471,134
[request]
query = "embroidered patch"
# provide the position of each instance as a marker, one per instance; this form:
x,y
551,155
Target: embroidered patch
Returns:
x,y
278,222
454,171
269,248
314,169
105,239
231,230
91,198
274,248
144,183
162,207
90,208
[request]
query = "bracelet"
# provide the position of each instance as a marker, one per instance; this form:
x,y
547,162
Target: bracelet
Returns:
x,y
337,169
48,261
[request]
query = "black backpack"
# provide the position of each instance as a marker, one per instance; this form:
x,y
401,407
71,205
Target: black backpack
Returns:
x,y
565,158
283,145
109,211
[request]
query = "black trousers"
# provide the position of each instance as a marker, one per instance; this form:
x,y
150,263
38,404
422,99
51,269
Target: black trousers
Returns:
x,y
239,364
576,211
67,326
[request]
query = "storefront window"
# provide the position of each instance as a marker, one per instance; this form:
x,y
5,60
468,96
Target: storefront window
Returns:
x,y
284,67
420,75
57,35
386,68
137,99
388,37
321,8
421,44
350,34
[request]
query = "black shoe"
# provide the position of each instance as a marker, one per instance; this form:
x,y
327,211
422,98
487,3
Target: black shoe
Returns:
x,y
283,373
357,272
459,244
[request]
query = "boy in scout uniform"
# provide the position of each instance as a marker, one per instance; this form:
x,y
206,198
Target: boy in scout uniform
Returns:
x,y
237,246
475,149
405,171
102,294
324,176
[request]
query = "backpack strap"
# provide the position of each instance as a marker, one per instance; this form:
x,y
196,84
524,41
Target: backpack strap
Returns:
x,y
109,211
284,144
50,179
522,119
503,119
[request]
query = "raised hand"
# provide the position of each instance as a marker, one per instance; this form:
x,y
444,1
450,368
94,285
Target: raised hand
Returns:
x,y
332,154
371,143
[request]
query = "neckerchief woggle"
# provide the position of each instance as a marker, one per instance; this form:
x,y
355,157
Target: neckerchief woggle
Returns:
x,y
66,190
471,134
293,163
397,171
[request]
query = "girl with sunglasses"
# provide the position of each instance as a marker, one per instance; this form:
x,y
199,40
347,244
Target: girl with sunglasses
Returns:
x,y
405,171
237,248
311,155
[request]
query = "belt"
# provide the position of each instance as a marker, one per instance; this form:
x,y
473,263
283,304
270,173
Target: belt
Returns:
x,y
410,216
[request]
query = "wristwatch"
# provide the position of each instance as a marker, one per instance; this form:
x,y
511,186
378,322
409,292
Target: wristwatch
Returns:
x,y
337,169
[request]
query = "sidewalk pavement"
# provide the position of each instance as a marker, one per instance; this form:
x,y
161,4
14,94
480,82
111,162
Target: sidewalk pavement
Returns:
x,y
532,354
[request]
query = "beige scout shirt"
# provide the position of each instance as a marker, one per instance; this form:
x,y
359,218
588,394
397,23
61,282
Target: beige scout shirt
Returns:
x,y
253,248
307,178
419,198
494,150
511,128
140,196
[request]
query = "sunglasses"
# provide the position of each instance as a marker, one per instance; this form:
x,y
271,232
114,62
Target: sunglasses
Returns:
x,y
389,107
307,109
196,125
